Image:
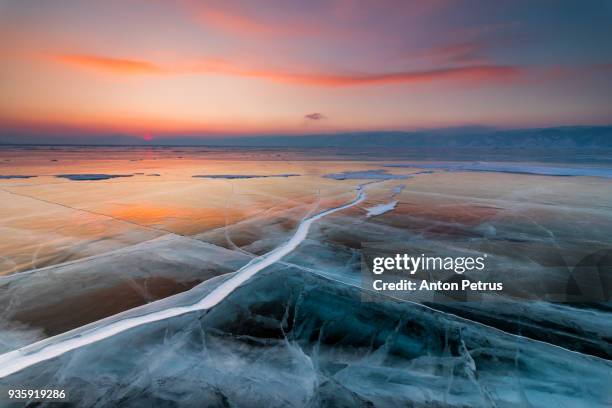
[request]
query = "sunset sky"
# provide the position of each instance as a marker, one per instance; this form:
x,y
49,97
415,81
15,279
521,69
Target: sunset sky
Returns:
x,y
202,68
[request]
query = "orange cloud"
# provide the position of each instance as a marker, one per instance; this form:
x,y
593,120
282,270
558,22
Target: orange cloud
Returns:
x,y
331,79
479,72
111,65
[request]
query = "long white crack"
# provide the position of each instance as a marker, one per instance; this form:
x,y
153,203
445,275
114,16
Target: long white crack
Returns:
x,y
47,349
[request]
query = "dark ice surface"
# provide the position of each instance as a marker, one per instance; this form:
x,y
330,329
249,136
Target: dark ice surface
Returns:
x,y
307,331
516,168
91,177
242,176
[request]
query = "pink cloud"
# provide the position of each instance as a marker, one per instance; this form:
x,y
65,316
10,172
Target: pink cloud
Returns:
x,y
110,64
121,66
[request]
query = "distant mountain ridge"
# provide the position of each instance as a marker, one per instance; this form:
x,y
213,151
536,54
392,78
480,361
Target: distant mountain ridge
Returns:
x,y
561,137
552,137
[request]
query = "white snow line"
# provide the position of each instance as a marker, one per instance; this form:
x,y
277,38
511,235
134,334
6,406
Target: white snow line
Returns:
x,y
43,350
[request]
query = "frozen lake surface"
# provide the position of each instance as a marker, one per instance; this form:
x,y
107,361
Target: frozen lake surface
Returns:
x,y
243,286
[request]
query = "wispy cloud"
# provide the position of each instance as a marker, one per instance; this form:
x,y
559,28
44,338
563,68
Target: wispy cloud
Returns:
x,y
111,65
461,53
249,24
335,79
235,23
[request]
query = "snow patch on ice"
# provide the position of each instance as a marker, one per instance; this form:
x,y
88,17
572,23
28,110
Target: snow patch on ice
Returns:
x,y
381,208
367,175
398,189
